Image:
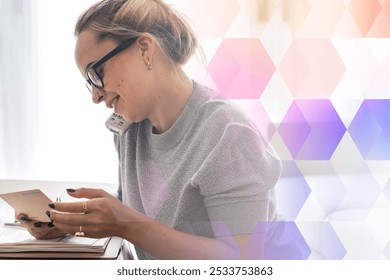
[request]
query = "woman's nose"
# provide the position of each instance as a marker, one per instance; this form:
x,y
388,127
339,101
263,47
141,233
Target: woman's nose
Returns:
x,y
97,95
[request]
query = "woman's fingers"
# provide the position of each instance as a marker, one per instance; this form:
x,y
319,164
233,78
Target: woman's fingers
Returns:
x,y
62,218
78,230
21,217
71,207
75,223
75,213
87,193
40,230
45,231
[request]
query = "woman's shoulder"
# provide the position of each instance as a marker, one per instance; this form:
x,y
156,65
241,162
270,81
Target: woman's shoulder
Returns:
x,y
217,111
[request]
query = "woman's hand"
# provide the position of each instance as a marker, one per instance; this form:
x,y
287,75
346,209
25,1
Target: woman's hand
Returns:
x,y
103,215
40,230
97,217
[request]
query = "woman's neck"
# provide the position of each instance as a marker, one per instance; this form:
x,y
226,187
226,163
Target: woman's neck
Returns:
x,y
176,89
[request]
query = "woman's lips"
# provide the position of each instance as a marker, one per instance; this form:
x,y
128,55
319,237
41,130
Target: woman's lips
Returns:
x,y
112,103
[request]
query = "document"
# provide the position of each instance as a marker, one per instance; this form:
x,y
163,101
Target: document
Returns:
x,y
17,243
19,240
33,203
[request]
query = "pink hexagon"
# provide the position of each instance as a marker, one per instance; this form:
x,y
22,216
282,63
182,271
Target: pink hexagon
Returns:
x,y
386,7
364,13
381,26
295,12
263,122
241,68
312,68
322,19
209,18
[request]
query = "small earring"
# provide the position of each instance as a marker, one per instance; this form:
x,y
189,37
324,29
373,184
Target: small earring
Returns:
x,y
150,66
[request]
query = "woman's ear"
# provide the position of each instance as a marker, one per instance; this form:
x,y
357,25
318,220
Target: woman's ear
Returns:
x,y
146,47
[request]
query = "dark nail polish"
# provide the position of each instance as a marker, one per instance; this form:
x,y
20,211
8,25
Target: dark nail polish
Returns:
x,y
51,205
37,224
100,98
48,213
24,219
50,225
70,190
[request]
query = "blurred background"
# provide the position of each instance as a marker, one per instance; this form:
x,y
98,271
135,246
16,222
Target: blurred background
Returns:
x,y
313,74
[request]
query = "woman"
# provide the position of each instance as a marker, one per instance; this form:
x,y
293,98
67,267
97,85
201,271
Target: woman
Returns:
x,y
195,175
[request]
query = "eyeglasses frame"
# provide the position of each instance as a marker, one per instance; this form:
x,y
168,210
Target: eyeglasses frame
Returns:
x,y
121,47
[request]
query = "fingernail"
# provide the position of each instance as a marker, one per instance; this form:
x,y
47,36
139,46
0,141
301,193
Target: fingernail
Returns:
x,y
50,225
51,205
70,190
100,98
37,224
24,219
48,214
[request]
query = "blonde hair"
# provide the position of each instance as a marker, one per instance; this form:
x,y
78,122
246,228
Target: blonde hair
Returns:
x,y
123,19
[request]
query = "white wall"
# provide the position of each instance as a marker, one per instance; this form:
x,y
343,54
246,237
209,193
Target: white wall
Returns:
x,y
62,137
74,143
18,87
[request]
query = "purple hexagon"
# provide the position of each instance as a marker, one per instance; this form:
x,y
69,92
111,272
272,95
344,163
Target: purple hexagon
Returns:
x,y
291,191
386,190
370,129
284,241
386,250
295,129
241,68
329,191
332,247
329,245
312,129
362,191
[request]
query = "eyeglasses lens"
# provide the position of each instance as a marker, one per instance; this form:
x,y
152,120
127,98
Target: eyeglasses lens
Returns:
x,y
94,78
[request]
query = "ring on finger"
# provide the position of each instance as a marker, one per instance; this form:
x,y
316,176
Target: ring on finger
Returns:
x,y
85,207
80,233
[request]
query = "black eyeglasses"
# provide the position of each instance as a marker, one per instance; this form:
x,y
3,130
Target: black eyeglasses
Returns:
x,y
94,78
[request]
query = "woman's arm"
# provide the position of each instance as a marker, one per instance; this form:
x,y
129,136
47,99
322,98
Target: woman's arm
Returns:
x,y
107,216
163,242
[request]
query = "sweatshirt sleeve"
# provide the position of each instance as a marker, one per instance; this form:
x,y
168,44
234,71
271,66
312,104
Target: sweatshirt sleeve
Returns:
x,y
236,180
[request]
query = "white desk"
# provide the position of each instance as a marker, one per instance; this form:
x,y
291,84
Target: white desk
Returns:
x,y
52,190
